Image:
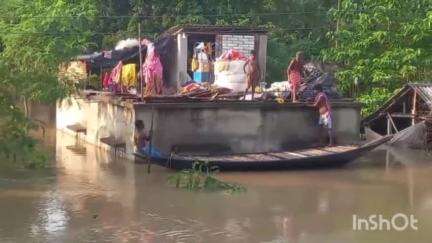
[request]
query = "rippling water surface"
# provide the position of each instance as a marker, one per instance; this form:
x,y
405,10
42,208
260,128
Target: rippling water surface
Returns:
x,y
91,197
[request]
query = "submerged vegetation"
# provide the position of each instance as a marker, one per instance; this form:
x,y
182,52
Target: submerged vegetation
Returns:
x,y
202,178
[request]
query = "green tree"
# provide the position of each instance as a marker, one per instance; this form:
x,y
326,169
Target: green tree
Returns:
x,y
36,37
380,46
293,25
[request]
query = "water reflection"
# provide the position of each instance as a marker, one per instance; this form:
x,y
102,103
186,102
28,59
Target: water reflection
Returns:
x,y
96,198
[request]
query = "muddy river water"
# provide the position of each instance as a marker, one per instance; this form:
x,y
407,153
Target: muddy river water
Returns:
x,y
91,197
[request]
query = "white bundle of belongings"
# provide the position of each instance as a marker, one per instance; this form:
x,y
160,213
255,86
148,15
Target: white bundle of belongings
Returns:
x,y
128,43
280,89
230,74
229,71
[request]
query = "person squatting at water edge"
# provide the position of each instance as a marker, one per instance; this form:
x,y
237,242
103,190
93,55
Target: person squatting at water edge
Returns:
x,y
253,73
325,112
294,74
141,139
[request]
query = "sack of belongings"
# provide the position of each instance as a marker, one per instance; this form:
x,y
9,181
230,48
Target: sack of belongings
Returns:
x,y
313,76
229,71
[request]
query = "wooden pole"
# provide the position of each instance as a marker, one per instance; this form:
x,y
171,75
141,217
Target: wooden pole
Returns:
x,y
338,22
392,122
140,58
414,109
389,128
387,160
150,142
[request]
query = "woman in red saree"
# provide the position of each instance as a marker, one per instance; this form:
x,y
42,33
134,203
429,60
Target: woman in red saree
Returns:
x,y
294,74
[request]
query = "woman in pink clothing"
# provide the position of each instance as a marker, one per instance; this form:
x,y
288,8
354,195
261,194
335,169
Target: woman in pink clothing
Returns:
x,y
294,74
152,71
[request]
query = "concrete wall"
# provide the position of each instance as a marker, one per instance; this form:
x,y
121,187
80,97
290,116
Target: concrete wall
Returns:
x,y
182,58
244,127
102,119
243,43
238,127
262,55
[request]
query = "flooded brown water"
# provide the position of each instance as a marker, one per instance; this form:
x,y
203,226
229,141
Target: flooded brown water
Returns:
x,y
91,197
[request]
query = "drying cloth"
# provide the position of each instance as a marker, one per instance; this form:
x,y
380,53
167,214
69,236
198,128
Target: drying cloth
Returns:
x,y
116,73
128,75
232,55
106,80
203,62
153,71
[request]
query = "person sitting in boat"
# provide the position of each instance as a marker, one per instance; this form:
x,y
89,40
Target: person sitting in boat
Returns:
x,y
142,141
324,108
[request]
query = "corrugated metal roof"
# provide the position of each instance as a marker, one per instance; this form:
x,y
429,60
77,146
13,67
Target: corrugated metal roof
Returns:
x,y
215,29
425,92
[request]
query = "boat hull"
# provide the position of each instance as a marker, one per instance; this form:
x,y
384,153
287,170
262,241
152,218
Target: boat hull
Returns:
x,y
329,160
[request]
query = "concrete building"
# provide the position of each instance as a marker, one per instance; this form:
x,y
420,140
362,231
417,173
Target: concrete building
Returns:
x,y
203,127
224,38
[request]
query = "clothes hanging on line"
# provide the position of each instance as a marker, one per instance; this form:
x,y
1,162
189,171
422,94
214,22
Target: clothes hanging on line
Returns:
x,y
106,80
129,75
153,71
116,73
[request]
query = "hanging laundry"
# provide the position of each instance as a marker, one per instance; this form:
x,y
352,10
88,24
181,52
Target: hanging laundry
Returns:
x,y
232,55
202,74
116,73
203,62
194,63
209,48
152,71
106,80
128,75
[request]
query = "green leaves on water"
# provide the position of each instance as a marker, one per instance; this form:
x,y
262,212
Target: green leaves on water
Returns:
x,y
201,178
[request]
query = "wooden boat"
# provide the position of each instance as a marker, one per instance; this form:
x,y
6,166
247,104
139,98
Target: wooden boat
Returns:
x,y
298,159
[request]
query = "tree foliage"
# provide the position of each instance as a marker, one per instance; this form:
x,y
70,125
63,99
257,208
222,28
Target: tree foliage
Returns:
x,y
34,41
380,46
293,25
36,36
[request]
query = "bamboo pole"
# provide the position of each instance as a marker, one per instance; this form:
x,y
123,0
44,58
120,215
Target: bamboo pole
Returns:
x,y
389,129
392,122
140,58
414,108
338,22
150,142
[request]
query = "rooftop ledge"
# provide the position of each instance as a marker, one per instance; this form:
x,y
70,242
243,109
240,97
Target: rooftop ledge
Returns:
x,y
340,103
241,104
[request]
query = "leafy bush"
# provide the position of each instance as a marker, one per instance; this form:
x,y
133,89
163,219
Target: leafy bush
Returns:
x,y
201,178
380,45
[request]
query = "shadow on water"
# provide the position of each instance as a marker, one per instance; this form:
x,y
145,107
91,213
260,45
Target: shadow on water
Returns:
x,y
92,197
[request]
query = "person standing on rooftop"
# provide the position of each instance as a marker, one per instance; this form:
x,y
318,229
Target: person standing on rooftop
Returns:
x,y
294,74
